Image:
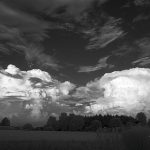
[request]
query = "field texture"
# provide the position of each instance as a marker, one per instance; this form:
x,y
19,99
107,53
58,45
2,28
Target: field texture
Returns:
x,y
51,140
134,139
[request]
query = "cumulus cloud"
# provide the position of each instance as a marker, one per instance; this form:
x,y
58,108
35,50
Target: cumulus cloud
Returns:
x,y
102,63
34,87
120,92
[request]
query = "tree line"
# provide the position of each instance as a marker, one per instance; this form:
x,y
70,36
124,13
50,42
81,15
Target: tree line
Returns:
x,y
74,122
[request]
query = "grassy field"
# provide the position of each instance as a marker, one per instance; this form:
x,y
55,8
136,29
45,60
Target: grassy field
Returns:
x,y
134,139
51,140
47,135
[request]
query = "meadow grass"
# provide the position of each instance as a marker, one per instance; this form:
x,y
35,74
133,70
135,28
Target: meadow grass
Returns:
x,y
51,140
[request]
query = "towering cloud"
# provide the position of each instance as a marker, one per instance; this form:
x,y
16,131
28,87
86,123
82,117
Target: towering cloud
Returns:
x,y
119,92
35,87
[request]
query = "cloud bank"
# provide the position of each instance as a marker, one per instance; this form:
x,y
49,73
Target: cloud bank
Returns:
x,y
34,87
120,92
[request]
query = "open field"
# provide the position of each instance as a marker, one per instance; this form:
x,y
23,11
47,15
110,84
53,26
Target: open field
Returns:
x,y
51,140
47,135
132,139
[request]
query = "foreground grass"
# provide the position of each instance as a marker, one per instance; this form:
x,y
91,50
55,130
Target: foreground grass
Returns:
x,y
48,145
133,139
61,145
39,140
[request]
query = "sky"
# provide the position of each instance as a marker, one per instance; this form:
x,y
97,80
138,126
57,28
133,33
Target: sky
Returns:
x,y
76,56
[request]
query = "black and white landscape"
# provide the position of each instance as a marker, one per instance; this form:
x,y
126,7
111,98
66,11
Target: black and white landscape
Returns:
x,y
75,65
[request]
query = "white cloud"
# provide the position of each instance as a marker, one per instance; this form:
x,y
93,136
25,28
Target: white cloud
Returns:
x,y
34,87
121,92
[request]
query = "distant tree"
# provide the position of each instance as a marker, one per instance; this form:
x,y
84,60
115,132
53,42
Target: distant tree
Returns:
x,y
28,126
130,124
5,122
115,123
76,123
51,123
148,123
141,118
95,124
63,122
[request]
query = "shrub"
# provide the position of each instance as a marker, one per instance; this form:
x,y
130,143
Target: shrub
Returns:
x,y
137,138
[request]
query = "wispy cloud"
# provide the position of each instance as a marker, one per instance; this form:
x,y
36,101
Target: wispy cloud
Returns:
x,y
142,61
141,2
22,32
103,35
102,63
143,46
141,17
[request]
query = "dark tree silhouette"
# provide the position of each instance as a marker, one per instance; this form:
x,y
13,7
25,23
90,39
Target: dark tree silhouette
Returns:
x,y
130,124
141,118
148,123
95,124
115,123
28,126
5,122
76,123
63,122
51,124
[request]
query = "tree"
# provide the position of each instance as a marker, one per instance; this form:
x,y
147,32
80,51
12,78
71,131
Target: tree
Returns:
x,y
148,123
28,126
63,122
130,124
95,124
5,122
115,123
51,123
76,123
141,118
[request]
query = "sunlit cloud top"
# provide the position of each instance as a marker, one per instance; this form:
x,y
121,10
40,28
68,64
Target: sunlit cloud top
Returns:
x,y
34,86
119,92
